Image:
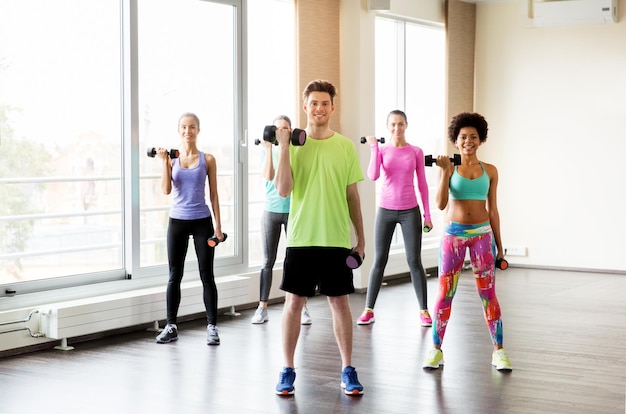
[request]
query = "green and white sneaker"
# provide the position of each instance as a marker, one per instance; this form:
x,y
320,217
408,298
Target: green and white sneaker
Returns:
x,y
434,359
500,360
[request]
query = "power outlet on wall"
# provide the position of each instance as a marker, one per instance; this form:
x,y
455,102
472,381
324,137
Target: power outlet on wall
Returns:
x,y
516,251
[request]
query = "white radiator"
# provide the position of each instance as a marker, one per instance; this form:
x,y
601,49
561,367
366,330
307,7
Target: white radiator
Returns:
x,y
97,314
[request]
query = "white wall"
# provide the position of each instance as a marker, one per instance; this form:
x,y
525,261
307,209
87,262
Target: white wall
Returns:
x,y
554,98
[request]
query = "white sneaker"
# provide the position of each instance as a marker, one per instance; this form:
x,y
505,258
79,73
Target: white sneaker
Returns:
x,y
306,318
260,315
212,335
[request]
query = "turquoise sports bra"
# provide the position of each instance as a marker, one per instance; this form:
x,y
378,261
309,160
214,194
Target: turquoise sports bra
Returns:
x,y
462,188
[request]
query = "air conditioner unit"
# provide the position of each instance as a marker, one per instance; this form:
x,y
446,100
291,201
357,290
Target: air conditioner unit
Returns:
x,y
374,5
571,12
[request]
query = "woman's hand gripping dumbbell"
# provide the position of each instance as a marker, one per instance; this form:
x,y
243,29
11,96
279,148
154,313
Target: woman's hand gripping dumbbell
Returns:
x,y
152,152
365,139
502,264
429,160
214,241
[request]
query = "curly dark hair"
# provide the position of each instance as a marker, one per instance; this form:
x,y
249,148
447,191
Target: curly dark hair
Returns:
x,y
468,119
320,85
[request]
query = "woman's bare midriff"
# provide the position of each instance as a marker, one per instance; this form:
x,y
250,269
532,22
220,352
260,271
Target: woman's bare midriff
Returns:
x,y
467,211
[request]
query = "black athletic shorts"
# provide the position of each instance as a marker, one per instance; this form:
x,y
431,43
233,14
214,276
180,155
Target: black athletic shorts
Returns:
x,y
308,268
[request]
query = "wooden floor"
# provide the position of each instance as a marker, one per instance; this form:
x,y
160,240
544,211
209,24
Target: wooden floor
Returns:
x,y
565,334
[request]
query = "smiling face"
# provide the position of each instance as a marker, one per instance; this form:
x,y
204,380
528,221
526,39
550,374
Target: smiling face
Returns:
x,y
468,140
396,124
318,108
188,129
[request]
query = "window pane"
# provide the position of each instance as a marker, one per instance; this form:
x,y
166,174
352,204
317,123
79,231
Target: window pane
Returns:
x,y
60,126
388,97
186,64
425,86
410,71
271,92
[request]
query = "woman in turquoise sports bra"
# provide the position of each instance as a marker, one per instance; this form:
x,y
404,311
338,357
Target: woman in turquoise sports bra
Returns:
x,y
468,191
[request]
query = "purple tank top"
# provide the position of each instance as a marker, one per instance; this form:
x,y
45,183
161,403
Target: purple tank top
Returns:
x,y
188,191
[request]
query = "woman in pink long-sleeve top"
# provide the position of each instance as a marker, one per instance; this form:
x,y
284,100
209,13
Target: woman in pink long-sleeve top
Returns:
x,y
400,162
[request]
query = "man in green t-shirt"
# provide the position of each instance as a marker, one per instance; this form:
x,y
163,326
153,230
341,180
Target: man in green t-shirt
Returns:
x,y
321,178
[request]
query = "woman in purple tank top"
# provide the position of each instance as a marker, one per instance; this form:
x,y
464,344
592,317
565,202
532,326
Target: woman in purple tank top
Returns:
x,y
185,177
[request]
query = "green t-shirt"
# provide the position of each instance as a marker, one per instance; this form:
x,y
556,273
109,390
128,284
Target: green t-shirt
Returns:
x,y
322,171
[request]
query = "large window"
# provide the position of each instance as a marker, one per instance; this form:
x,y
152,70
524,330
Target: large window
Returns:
x,y
410,73
271,92
184,69
60,123
86,86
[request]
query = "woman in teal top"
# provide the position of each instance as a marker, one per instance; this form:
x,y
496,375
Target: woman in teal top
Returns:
x,y
275,218
468,193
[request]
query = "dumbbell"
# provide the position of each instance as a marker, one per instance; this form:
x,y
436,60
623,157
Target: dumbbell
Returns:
x,y
298,136
502,264
381,140
354,260
151,152
429,160
258,141
214,241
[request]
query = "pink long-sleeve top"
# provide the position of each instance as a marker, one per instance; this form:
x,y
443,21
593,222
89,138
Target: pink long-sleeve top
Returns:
x,y
401,165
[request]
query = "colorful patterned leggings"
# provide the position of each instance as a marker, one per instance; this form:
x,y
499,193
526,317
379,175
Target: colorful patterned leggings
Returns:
x,y
454,243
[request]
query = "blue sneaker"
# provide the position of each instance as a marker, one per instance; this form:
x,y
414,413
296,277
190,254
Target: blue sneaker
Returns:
x,y
286,379
350,382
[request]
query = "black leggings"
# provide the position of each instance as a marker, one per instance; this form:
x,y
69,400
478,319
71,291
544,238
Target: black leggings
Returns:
x,y
178,232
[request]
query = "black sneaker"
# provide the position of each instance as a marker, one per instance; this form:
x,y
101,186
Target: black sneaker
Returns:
x,y
168,334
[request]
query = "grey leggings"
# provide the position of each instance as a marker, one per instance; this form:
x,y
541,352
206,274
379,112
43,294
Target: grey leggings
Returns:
x,y
270,235
411,223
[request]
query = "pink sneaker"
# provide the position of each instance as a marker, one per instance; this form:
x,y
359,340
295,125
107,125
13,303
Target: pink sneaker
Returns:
x,y
366,318
425,318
